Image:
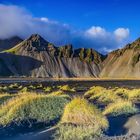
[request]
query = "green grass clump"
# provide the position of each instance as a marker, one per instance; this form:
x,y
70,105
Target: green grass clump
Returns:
x,y
66,88
13,86
47,89
81,120
122,92
24,89
101,95
94,90
70,132
57,93
5,97
104,97
120,107
27,106
134,95
80,112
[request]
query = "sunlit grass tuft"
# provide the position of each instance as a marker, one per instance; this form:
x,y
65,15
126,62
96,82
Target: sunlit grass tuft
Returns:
x,y
81,120
70,132
80,112
66,88
104,97
4,97
32,106
47,89
94,90
120,107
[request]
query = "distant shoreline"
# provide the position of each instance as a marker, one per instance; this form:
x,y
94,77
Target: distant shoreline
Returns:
x,y
64,79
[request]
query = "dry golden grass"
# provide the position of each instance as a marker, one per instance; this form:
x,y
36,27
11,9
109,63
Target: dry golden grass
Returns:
x,y
81,120
80,112
32,106
134,95
101,95
4,97
66,88
94,90
120,107
104,97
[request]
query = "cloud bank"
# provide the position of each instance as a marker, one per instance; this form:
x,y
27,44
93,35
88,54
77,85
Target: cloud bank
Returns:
x,y
15,20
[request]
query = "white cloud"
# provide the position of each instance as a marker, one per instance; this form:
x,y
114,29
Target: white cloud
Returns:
x,y
15,20
44,19
96,31
121,33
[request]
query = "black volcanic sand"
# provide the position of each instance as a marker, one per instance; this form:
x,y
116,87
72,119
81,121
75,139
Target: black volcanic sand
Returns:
x,y
36,133
81,85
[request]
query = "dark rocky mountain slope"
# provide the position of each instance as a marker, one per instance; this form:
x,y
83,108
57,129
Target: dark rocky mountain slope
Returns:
x,y
123,63
9,43
35,57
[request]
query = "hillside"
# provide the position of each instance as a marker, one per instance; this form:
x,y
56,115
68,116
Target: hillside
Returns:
x,y
36,57
9,43
123,63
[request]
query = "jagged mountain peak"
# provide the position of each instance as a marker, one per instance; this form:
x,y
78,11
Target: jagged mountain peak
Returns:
x,y
37,43
36,37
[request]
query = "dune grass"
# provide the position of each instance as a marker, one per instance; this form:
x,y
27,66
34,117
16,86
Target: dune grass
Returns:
x,y
70,132
28,106
101,95
47,89
81,120
80,112
94,90
134,95
104,97
5,97
122,92
120,107
66,88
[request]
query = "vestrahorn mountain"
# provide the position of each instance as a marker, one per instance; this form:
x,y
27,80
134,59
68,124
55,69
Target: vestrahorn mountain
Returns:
x,y
36,57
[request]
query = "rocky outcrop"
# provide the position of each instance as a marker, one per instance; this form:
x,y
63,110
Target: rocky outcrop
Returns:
x,y
35,57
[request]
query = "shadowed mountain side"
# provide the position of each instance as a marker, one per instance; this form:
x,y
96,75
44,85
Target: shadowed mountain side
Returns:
x,y
9,43
61,61
15,65
62,67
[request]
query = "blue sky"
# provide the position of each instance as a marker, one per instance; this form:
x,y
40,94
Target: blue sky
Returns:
x,y
82,15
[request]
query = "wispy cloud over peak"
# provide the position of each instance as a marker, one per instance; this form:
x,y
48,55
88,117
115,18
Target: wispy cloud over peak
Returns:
x,y
16,20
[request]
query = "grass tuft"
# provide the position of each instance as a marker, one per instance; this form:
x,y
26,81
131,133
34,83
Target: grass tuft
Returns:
x,y
66,88
26,106
120,107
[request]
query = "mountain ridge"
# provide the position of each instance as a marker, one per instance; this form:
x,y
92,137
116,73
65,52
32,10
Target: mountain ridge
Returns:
x,y
123,63
64,61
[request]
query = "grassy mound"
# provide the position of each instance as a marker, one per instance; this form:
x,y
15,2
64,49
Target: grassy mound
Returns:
x,y
122,92
82,120
57,93
104,97
94,90
27,106
80,112
134,95
5,97
70,132
66,88
101,95
120,107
